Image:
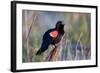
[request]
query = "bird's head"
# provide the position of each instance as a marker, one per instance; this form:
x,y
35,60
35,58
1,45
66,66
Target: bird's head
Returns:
x,y
59,25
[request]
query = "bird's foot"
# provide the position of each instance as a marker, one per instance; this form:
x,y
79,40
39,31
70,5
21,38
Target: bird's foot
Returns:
x,y
55,46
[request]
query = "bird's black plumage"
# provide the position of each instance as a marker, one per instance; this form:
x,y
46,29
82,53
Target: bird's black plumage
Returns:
x,y
50,40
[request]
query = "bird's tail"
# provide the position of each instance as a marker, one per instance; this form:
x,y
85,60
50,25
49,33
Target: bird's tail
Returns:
x,y
38,52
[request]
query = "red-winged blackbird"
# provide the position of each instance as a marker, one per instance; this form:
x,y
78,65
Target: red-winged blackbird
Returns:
x,y
52,37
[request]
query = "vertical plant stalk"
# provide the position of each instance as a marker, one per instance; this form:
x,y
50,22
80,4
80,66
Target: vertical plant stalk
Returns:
x,y
28,30
26,41
77,56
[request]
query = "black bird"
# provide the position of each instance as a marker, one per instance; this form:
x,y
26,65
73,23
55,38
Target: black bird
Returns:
x,y
52,37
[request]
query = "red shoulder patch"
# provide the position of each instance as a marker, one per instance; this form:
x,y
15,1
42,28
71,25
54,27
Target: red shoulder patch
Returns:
x,y
54,34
